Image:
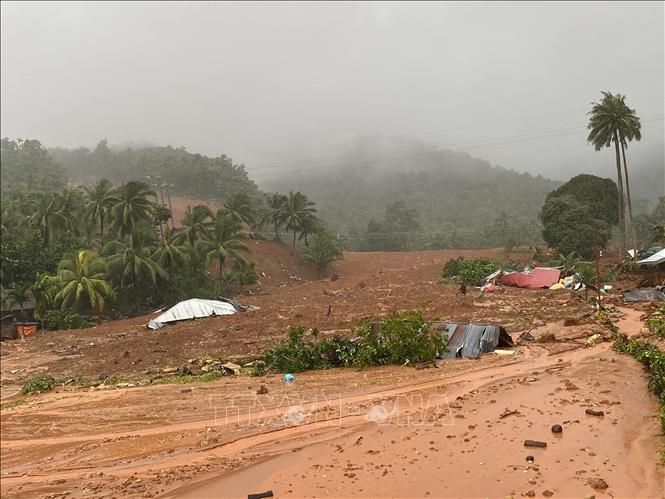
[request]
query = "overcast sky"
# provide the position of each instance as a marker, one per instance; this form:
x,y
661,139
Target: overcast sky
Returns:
x,y
508,82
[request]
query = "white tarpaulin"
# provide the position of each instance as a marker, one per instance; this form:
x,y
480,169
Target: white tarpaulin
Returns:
x,y
191,309
654,259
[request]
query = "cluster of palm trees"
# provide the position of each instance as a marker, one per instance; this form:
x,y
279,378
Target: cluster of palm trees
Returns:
x,y
294,212
131,252
613,122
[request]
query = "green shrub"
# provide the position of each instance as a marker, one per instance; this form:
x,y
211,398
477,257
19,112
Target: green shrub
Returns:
x,y
653,360
469,271
63,319
40,384
401,337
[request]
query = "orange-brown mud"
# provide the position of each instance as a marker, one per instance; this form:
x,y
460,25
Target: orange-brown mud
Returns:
x,y
455,431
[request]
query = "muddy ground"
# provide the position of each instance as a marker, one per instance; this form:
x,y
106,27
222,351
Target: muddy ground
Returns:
x,y
455,431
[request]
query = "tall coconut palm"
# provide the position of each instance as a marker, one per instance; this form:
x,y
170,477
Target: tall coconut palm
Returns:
x,y
171,254
222,242
323,251
239,208
45,208
71,207
131,205
604,125
82,283
131,260
100,199
272,214
629,127
195,223
294,212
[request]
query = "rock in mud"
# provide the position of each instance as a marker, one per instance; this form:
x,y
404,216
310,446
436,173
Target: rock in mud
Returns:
x,y
593,412
263,390
529,493
530,459
534,443
557,428
186,390
548,493
597,483
103,376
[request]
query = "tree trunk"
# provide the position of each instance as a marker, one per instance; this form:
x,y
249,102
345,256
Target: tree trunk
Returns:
x,y
294,238
221,263
622,209
630,204
101,227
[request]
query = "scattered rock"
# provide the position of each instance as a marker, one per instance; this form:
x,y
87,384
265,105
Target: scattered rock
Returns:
x,y
263,390
529,493
557,428
597,483
548,493
534,443
593,412
186,390
103,376
590,496
530,459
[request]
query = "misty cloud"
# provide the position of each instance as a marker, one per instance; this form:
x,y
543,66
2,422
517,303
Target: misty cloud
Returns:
x,y
269,82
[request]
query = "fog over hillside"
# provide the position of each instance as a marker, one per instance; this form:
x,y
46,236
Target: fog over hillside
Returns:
x,y
274,83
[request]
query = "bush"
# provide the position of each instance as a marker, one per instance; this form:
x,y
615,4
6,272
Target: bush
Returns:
x,y
653,360
401,337
42,383
470,272
62,319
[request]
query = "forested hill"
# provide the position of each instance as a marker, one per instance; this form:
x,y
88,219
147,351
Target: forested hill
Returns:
x,y
187,174
418,197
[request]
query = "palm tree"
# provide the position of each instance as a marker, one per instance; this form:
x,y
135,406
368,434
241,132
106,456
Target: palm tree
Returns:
x,y
310,226
171,254
629,130
195,223
612,121
44,290
82,283
100,200
71,203
131,205
273,213
18,295
131,260
45,208
294,212
224,241
239,208
323,251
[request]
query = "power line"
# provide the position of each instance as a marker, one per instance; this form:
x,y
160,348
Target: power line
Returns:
x,y
429,149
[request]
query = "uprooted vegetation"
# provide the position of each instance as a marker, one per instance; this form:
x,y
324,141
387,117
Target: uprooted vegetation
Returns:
x,y
401,338
469,271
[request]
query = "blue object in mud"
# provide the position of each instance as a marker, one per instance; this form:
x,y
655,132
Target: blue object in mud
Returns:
x,y
289,378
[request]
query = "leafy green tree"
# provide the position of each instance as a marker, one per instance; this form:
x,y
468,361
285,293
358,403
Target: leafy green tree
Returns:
x,y
570,226
131,204
612,121
310,226
27,165
223,242
82,282
171,254
100,199
294,212
598,194
323,251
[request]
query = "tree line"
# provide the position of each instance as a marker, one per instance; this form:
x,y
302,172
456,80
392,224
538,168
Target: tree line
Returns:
x,y
81,249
